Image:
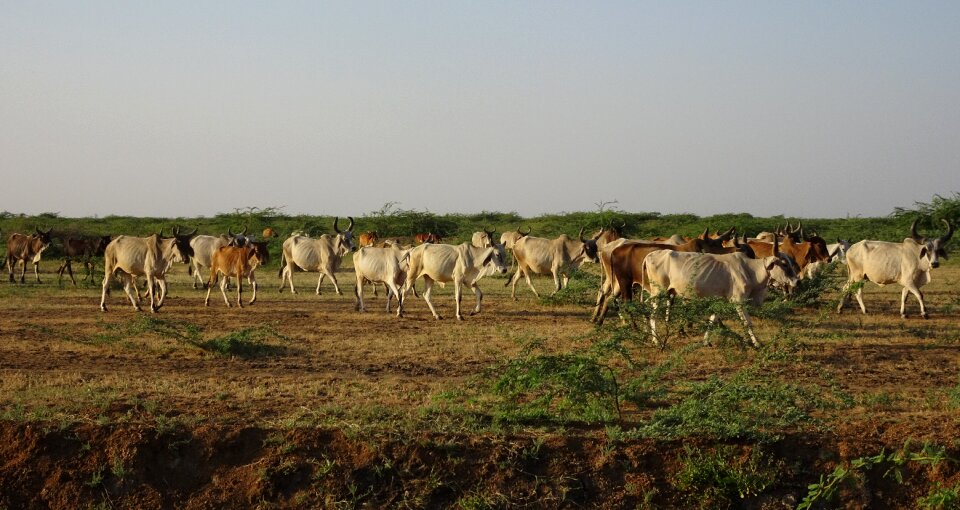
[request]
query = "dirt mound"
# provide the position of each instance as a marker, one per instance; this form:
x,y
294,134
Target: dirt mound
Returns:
x,y
131,466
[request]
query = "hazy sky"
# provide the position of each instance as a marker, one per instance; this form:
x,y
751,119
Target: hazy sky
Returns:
x,y
170,108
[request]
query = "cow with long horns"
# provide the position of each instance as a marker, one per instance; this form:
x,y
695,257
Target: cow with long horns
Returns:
x,y
907,263
322,254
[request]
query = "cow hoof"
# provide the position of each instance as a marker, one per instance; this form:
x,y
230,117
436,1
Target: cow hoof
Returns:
x,y
137,309
459,317
103,309
206,303
439,317
903,316
925,315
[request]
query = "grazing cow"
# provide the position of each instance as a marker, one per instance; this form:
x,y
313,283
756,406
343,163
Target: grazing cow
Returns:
x,y
428,237
205,246
322,254
462,264
557,257
621,262
732,276
238,261
82,249
21,248
381,265
907,263
151,257
483,239
838,250
368,239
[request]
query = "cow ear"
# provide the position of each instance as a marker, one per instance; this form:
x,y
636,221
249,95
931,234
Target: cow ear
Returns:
x,y
923,251
488,258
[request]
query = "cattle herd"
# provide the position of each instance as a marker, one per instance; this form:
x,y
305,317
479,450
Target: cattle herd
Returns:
x,y
726,265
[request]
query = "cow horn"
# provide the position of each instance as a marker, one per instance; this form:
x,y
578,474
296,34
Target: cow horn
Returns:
x,y
527,232
580,235
776,246
949,233
728,234
350,226
913,231
176,230
38,230
245,227
335,227
489,232
706,234
229,231
194,231
160,234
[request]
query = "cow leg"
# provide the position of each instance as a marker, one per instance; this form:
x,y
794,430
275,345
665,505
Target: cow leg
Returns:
x,y
320,280
70,272
206,300
253,283
23,271
128,283
476,292
374,285
161,283
863,308
557,283
288,274
458,296
710,326
526,275
916,293
104,292
358,295
223,292
565,280
10,268
153,297
88,265
745,317
427,292
653,324
333,279
36,269
239,287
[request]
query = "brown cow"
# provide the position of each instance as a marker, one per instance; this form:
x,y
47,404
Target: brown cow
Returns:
x,y
82,249
428,237
239,262
813,249
21,248
368,239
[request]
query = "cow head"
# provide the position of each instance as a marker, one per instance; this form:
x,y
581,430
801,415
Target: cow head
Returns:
x,y
258,249
508,239
239,239
344,237
100,245
590,245
935,247
496,259
43,237
181,242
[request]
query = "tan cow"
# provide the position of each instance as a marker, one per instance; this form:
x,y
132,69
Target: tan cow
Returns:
x,y
463,265
239,262
556,257
322,254
21,248
151,257
381,265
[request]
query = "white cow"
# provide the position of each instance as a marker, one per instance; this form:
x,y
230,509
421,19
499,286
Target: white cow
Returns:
x,y
381,265
322,254
556,257
483,239
733,276
462,264
151,257
907,263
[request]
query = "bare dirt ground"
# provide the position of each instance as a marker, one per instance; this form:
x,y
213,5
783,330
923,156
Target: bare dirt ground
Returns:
x,y
299,401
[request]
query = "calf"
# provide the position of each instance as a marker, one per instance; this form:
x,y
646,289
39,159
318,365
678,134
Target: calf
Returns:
x,y
21,247
240,262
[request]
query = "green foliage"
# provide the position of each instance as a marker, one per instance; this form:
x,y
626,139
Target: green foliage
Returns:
x,y
745,406
941,498
723,476
539,386
954,396
930,213
826,489
810,291
245,343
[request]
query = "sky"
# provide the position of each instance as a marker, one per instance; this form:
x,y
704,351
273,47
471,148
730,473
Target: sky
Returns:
x,y
812,109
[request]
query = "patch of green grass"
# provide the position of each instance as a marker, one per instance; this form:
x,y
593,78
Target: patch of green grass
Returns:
x,y
245,343
941,498
722,476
